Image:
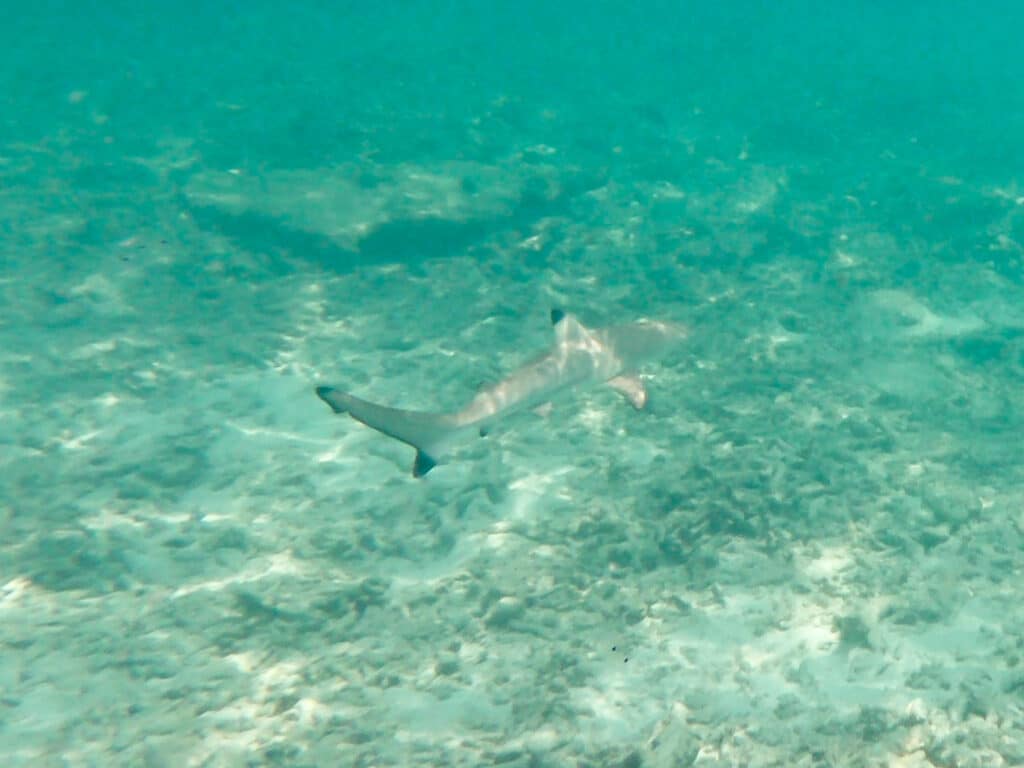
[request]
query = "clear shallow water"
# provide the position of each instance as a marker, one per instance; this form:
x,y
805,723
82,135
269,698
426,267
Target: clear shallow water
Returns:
x,y
809,550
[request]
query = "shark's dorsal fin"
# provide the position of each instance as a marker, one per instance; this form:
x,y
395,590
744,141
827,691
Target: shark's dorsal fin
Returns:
x,y
567,328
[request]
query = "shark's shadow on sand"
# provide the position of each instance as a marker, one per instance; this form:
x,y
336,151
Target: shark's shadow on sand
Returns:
x,y
408,240
403,240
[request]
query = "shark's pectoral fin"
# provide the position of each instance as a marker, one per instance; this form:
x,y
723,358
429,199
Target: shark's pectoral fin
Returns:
x,y
632,388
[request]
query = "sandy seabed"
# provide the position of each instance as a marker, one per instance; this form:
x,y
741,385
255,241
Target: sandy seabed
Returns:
x,y
807,553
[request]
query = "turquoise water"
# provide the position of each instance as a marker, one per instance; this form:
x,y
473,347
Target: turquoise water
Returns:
x,y
805,551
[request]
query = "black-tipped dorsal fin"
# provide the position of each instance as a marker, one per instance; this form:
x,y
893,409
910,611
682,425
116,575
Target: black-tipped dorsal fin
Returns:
x,y
567,328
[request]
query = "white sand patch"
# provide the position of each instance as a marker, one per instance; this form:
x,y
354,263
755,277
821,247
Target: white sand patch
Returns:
x,y
919,321
278,564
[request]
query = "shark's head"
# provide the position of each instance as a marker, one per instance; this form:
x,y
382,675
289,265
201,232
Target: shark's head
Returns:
x,y
645,341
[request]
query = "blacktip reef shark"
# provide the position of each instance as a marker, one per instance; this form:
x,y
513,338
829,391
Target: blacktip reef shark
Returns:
x,y
580,356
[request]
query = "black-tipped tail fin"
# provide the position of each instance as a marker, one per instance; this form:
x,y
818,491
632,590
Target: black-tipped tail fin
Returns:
x,y
327,395
429,433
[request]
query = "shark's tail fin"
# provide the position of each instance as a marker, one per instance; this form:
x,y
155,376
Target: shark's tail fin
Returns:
x,y
428,433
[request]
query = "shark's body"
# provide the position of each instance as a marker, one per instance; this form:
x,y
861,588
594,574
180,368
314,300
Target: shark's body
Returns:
x,y
579,356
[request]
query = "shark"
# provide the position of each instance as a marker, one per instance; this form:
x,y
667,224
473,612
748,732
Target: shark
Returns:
x,y
579,357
